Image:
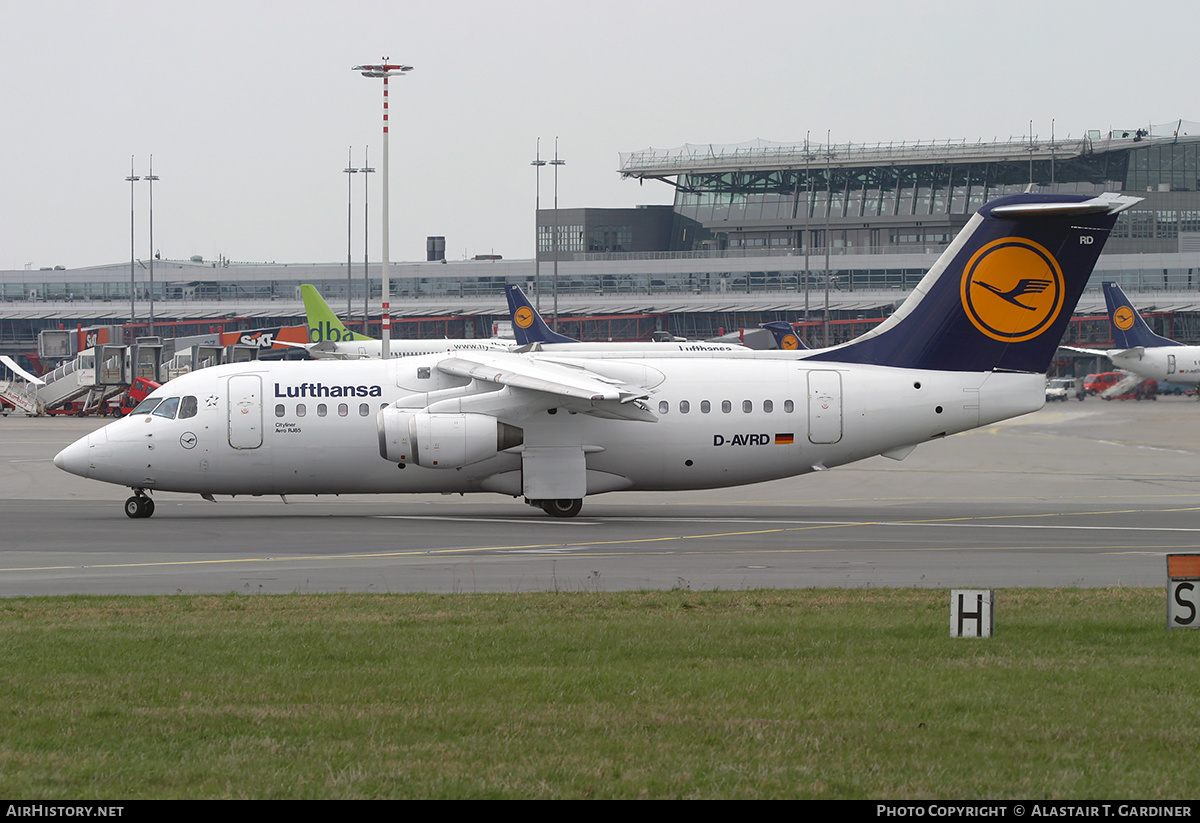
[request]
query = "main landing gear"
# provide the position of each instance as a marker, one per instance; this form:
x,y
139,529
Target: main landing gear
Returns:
x,y
563,507
139,505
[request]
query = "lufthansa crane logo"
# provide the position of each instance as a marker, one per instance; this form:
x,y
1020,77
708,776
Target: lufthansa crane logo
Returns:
x,y
789,341
524,317
1012,289
1123,318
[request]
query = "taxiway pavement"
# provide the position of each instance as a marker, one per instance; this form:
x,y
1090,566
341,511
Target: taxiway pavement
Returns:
x,y
1078,494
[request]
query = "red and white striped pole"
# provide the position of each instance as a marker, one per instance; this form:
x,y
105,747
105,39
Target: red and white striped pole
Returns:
x,y
385,70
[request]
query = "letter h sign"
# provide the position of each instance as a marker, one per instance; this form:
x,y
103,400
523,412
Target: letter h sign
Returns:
x,y
972,612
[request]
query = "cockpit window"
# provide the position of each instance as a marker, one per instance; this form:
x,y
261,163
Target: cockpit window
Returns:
x,y
146,406
167,408
187,407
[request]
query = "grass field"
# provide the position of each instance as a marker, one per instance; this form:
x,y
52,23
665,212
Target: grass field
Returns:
x,y
756,694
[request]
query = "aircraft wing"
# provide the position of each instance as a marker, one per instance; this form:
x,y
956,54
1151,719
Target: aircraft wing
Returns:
x,y
1136,351
1082,350
326,350
12,364
577,388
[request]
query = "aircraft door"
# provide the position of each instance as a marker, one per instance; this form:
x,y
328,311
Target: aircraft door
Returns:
x,y
245,411
1170,364
824,406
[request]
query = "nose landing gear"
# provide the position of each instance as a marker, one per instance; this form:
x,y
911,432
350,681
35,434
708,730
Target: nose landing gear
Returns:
x,y
139,505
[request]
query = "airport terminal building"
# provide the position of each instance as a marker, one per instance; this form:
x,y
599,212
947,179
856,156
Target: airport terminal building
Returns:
x,y
757,232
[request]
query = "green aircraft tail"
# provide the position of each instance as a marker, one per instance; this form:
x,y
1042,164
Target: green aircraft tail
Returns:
x,y
323,324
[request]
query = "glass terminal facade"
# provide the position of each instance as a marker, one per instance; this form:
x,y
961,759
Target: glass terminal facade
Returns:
x,y
881,199
746,240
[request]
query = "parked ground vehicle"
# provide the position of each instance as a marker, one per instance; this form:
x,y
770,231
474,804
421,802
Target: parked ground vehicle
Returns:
x,y
1146,390
1063,388
1096,383
138,390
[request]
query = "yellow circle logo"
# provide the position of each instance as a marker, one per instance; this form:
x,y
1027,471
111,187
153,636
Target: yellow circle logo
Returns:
x,y
524,317
1012,289
789,341
1123,318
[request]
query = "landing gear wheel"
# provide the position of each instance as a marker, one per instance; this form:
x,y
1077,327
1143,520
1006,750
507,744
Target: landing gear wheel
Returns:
x,y
139,506
564,507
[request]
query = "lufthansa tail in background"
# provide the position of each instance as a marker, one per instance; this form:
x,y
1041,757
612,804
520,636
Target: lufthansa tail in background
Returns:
x,y
968,348
1140,350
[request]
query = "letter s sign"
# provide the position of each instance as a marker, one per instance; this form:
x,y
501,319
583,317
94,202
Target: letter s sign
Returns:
x,y
1181,605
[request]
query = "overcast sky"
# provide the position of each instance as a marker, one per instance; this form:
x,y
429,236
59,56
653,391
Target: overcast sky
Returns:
x,y
249,107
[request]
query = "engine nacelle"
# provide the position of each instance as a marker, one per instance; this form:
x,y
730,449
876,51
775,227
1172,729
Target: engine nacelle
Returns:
x,y
442,441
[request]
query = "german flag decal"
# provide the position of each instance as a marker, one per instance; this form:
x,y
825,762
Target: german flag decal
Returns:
x,y
785,439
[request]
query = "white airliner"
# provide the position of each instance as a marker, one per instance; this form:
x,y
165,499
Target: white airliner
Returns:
x,y
330,340
533,334
969,347
1141,351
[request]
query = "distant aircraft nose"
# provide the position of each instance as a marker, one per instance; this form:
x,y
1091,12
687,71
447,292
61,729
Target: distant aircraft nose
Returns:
x,y
74,458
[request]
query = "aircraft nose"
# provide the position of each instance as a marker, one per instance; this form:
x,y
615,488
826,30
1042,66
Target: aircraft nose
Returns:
x,y
74,458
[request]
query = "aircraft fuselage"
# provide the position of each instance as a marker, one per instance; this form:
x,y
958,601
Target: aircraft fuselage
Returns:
x,y
296,428
1175,364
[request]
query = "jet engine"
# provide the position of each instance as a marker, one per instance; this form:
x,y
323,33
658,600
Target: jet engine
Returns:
x,y
442,441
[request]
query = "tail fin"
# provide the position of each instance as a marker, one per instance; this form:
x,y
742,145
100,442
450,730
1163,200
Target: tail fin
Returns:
x,y
784,334
1129,330
528,326
323,324
1000,297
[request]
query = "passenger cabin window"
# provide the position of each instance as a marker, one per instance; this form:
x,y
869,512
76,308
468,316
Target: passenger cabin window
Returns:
x,y
663,406
322,410
747,406
789,406
279,410
684,407
364,409
343,410
301,410
768,406
726,407
705,407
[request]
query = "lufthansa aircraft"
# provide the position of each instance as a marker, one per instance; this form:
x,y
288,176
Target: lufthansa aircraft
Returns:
x,y
968,348
1140,350
531,332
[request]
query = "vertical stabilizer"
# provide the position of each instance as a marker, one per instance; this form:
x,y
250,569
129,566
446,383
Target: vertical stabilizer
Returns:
x,y
528,326
1129,330
323,324
1000,297
785,335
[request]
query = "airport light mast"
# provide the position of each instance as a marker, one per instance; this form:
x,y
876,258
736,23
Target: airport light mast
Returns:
x,y
556,163
150,178
365,170
385,70
131,179
349,170
537,164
